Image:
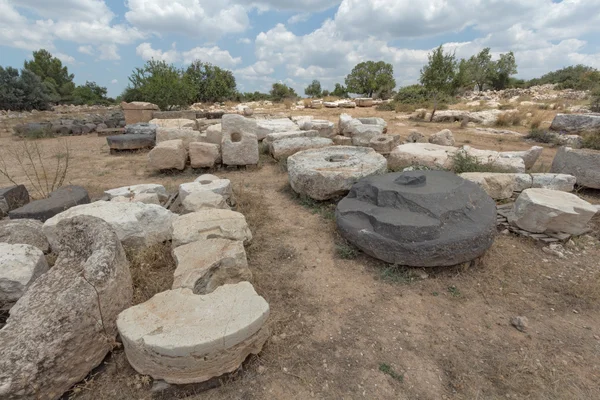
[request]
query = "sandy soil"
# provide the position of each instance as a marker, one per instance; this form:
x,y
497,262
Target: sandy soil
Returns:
x,y
337,323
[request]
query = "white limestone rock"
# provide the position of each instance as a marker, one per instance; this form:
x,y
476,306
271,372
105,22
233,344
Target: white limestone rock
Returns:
x,y
266,126
204,155
214,134
136,224
529,156
239,148
182,338
497,186
562,182
384,144
284,148
175,123
207,183
20,266
187,136
583,164
210,224
24,231
421,154
325,128
133,190
443,138
272,137
203,200
505,161
146,198
545,210
207,264
168,155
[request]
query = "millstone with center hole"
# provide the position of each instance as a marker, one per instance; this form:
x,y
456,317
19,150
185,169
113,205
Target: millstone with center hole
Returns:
x,y
418,218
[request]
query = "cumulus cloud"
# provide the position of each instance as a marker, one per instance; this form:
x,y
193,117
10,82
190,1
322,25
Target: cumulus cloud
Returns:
x,y
86,50
214,55
109,52
302,17
146,52
244,41
65,58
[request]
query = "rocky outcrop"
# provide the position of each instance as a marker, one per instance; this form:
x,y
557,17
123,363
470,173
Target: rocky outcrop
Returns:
x,y
64,325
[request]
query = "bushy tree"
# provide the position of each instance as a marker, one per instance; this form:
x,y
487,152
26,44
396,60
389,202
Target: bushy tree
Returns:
x,y
281,91
340,91
413,94
480,68
90,93
371,77
579,77
22,92
159,83
249,96
210,82
438,75
503,69
314,89
326,93
55,76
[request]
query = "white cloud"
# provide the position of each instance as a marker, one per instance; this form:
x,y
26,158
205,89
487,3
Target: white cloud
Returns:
x,y
244,41
75,10
213,55
109,52
86,50
114,81
260,68
302,17
65,58
293,5
146,52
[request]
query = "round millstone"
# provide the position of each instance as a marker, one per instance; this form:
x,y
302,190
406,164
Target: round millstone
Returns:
x,y
418,218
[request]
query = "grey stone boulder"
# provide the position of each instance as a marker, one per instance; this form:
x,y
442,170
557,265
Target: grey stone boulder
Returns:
x,y
443,138
131,142
418,218
12,197
20,266
283,148
576,122
141,128
187,136
58,201
330,172
24,231
384,144
170,154
325,128
583,164
416,137
198,201
64,324
207,183
267,126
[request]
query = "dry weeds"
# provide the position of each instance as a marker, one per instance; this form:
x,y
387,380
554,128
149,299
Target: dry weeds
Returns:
x,y
151,270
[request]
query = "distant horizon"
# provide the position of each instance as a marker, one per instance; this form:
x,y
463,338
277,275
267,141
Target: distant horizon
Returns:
x,y
294,42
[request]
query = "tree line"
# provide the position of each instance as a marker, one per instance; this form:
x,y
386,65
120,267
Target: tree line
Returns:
x,y
44,80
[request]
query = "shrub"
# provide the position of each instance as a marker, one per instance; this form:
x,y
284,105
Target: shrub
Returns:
x,y
406,108
22,92
508,119
542,136
414,94
386,107
464,162
536,121
591,141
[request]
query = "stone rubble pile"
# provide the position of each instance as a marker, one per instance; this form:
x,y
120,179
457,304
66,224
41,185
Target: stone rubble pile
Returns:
x,y
545,92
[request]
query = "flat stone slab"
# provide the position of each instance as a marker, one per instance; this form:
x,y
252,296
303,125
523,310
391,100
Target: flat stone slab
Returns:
x,y
207,264
284,148
24,231
131,142
110,132
206,183
136,224
141,128
181,337
331,171
133,190
272,137
419,218
20,266
60,200
576,122
203,200
584,164
421,154
210,224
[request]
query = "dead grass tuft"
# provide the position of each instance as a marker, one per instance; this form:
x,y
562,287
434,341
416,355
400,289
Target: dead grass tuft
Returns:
x,y
509,119
151,270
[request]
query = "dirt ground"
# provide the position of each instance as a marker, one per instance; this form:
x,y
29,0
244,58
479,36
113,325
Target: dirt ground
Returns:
x,y
346,326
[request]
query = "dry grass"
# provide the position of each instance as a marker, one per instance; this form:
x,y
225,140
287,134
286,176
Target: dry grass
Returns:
x,y
537,120
288,103
151,270
509,119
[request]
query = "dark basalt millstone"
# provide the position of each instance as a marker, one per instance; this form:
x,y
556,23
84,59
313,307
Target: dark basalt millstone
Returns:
x,y
418,218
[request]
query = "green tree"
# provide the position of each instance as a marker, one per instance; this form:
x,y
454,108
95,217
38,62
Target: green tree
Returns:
x,y
326,93
51,71
340,91
438,75
503,69
281,91
314,89
22,92
160,83
90,93
579,77
371,77
481,68
210,82
461,78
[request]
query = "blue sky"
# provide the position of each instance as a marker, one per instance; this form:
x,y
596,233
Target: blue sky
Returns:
x,y
294,41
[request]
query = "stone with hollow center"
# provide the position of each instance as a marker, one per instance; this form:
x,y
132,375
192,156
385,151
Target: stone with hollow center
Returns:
x,y
331,171
206,183
184,338
419,218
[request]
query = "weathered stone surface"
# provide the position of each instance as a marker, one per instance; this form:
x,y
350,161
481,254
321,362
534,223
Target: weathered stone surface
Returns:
x,y
364,102
415,137
573,141
362,134
576,122
497,186
234,123
266,126
583,164
331,171
443,138
204,155
138,111
187,136
20,266
239,148
136,224
343,124
562,182
384,144
374,121
421,154
181,337
207,264
204,124
177,123
544,210
325,128
214,134
146,198
207,183
210,224
529,156
60,200
130,142
133,190
198,201
24,231
63,326
168,155
184,114
272,137
507,161
419,218
141,129
340,140
12,198
284,148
